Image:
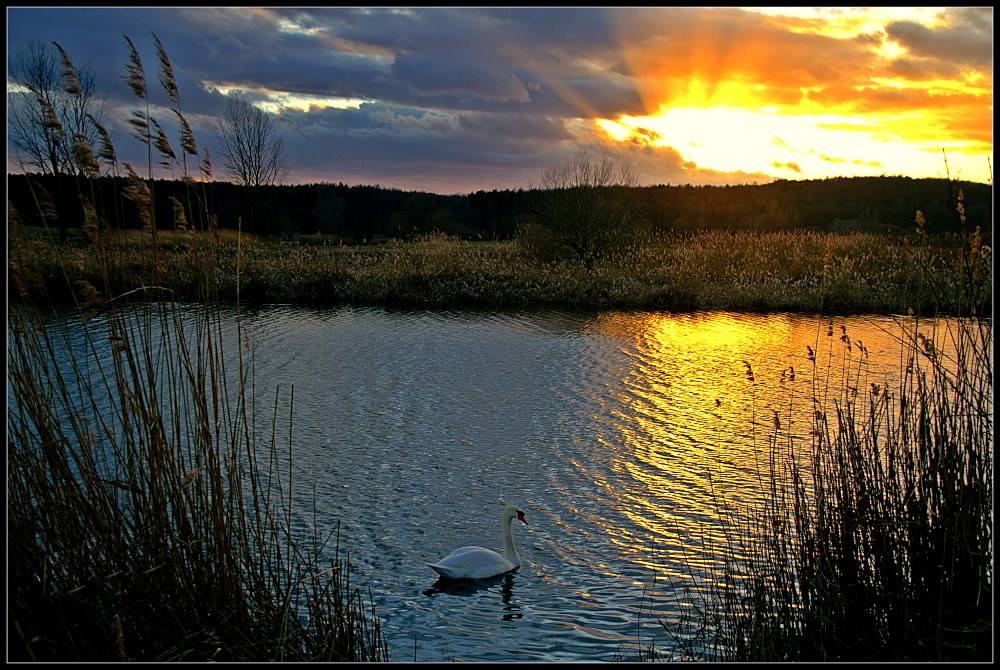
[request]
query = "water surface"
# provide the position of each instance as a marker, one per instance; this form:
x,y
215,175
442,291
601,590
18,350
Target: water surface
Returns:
x,y
618,433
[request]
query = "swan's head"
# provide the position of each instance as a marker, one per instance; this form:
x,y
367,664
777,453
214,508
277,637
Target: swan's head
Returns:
x,y
513,512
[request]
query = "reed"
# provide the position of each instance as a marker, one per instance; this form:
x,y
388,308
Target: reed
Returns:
x,y
786,271
872,540
147,518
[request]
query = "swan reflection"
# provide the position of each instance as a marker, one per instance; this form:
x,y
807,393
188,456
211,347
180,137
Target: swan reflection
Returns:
x,y
471,587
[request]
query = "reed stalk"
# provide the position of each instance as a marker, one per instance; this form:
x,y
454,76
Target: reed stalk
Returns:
x,y
872,540
147,519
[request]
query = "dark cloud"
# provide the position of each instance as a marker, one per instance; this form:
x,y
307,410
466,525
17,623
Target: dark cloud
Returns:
x,y
923,69
452,72
379,141
965,38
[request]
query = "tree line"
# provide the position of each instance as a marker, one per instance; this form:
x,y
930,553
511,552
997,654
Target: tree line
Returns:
x,y
359,214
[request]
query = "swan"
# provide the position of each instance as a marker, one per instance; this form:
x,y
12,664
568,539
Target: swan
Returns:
x,y
480,563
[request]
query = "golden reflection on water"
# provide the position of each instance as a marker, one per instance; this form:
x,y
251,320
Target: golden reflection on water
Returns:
x,y
687,427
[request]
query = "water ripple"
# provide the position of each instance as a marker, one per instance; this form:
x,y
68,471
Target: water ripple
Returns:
x,y
617,432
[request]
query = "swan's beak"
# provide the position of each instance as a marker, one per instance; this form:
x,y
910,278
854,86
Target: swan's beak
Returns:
x,y
520,515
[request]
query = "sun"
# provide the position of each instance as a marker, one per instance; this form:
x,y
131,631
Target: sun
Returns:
x,y
799,95
775,142
735,139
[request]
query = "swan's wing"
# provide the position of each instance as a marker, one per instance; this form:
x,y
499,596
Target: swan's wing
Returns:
x,y
472,563
470,556
469,549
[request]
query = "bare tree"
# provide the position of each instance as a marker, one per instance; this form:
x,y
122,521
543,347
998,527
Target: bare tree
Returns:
x,y
51,107
251,150
584,210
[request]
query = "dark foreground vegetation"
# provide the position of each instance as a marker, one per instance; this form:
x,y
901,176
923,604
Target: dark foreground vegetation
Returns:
x,y
148,520
873,536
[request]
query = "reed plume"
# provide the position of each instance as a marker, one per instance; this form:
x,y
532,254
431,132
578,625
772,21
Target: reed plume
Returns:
x,y
166,71
138,192
50,123
91,222
180,218
169,83
83,156
107,148
140,122
162,144
206,166
135,75
188,144
69,77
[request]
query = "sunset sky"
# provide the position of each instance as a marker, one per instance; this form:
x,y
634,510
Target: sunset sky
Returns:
x,y
457,100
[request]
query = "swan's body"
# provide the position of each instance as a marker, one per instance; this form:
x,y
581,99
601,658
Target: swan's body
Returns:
x,y
479,563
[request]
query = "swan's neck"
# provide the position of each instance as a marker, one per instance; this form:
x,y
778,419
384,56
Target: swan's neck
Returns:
x,y
508,541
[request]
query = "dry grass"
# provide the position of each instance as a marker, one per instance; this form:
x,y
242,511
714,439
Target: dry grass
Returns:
x,y
145,523
785,271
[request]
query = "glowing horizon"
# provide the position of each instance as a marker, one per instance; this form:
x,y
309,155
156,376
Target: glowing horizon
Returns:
x,y
728,101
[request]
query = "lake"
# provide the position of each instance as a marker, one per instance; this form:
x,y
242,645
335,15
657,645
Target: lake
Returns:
x,y
617,432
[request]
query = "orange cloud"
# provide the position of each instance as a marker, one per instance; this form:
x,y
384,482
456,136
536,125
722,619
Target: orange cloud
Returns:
x,y
793,166
681,56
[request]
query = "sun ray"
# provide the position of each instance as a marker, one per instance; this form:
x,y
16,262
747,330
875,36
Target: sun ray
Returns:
x,y
752,95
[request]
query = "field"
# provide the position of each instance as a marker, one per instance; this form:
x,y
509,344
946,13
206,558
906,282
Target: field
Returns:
x,y
761,272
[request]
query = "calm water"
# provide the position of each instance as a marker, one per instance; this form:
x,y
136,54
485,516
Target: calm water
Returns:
x,y
611,430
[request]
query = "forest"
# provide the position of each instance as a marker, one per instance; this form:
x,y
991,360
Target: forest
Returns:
x,y
363,214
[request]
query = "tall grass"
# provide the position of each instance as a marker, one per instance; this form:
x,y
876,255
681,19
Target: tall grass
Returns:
x,y
873,538
146,521
786,271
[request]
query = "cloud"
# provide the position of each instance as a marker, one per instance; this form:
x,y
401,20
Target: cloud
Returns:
x,y
453,73
922,69
487,97
964,38
792,165
376,141
681,57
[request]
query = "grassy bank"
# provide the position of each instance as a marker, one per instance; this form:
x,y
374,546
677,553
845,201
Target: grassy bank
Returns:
x,y
786,271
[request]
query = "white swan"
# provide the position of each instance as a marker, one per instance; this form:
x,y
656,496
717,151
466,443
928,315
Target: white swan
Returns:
x,y
480,563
